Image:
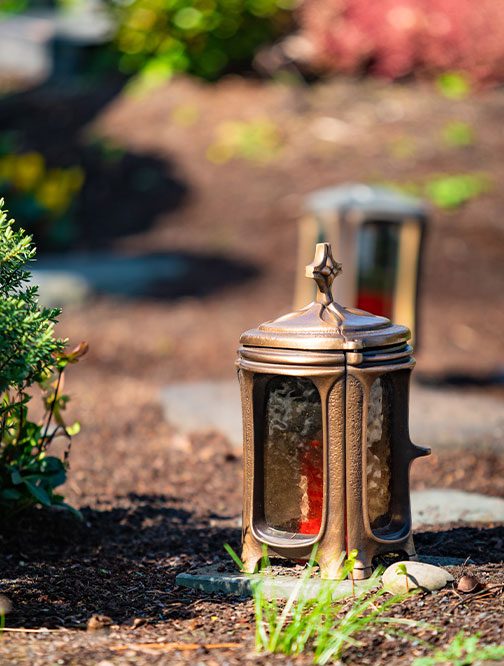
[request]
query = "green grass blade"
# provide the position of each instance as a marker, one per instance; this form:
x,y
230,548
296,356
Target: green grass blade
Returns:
x,y
234,556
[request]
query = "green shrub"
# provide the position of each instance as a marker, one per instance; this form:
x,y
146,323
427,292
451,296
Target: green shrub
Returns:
x,y
447,191
257,141
159,38
30,355
43,197
457,134
451,191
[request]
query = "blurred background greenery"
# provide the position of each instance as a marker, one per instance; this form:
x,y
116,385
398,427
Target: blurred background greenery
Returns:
x,y
142,44
196,127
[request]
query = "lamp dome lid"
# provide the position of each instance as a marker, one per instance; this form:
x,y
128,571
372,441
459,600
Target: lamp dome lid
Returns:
x,y
324,324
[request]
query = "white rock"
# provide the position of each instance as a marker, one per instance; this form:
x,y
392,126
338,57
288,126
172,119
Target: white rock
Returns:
x,y
60,288
419,575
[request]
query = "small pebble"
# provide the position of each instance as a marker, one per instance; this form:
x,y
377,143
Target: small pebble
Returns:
x,y
5,605
418,575
98,622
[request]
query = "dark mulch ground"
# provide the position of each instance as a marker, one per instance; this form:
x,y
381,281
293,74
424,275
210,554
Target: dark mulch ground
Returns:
x,y
156,503
121,563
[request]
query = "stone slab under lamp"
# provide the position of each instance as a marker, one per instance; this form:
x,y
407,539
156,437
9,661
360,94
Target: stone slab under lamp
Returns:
x,y
326,442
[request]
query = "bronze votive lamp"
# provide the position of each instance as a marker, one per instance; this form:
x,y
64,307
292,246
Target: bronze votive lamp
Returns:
x,y
326,440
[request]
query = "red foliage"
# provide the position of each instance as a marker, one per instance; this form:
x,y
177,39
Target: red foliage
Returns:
x,y
394,38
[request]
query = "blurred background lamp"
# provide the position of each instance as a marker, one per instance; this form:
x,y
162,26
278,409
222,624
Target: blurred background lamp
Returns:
x,y
379,232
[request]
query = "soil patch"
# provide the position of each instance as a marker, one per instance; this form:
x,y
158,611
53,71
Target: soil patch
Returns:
x,y
110,580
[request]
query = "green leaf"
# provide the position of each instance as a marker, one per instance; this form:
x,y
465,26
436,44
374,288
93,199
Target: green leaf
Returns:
x,y
56,479
462,651
50,464
10,494
38,492
74,429
454,85
75,512
16,477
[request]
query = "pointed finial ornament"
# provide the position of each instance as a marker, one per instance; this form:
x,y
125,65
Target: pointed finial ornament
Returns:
x,y
323,270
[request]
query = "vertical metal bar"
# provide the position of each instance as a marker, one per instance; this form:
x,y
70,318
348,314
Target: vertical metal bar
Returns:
x,y
410,232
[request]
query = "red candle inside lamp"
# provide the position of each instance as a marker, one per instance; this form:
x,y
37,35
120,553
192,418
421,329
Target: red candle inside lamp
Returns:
x,y
311,465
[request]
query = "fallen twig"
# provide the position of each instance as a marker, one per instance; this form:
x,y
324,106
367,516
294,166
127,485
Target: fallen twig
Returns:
x,y
168,647
464,565
29,631
487,591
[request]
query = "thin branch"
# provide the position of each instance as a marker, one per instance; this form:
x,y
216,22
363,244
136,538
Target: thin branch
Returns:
x,y
51,410
54,432
481,594
29,631
20,402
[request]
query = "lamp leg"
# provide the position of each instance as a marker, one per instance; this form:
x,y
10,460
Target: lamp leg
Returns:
x,y
251,552
363,567
409,547
330,565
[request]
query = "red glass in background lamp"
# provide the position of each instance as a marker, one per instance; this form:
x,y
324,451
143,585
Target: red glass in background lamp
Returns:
x,y
377,254
378,304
